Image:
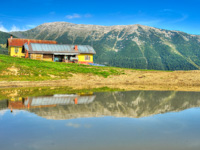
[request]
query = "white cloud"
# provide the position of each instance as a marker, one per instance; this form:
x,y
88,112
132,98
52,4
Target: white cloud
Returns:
x,y
2,112
74,125
184,17
30,26
14,28
178,16
16,112
87,125
73,16
27,27
2,28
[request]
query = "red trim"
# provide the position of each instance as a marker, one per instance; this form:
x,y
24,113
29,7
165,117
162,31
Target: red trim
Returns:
x,y
84,62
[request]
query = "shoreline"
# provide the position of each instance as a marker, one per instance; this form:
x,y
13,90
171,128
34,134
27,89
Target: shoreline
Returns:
x,y
137,80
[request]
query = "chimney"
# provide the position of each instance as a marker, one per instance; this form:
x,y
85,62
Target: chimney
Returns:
x,y
11,36
26,54
76,47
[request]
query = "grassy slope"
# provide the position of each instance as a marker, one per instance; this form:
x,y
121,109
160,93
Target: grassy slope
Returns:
x,y
20,69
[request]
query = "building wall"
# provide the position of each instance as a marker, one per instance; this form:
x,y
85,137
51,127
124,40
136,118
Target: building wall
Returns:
x,y
82,58
15,51
47,57
36,56
85,58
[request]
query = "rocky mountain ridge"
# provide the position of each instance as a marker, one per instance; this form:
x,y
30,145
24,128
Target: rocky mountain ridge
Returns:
x,y
131,46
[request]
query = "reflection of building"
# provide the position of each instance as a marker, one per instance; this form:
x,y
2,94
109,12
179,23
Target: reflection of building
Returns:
x,y
16,103
49,101
57,100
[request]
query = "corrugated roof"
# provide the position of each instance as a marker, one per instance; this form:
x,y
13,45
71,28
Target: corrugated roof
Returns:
x,y
21,42
58,48
45,101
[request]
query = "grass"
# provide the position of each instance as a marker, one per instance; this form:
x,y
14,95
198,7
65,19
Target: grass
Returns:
x,y
46,91
21,69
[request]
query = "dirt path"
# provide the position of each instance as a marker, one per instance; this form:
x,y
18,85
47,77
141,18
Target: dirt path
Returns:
x,y
131,80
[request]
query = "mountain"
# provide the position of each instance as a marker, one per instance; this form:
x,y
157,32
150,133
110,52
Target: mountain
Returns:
x,y
3,37
3,40
131,46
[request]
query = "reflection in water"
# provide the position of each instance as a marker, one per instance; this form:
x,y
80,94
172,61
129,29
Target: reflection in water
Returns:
x,y
112,120
134,104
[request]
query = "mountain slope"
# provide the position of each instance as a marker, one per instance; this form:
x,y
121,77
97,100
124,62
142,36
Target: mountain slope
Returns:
x,y
131,46
3,39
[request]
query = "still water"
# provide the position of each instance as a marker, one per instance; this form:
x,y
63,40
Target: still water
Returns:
x,y
140,120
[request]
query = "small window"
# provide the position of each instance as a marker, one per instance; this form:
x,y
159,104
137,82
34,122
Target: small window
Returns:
x,y
16,49
87,57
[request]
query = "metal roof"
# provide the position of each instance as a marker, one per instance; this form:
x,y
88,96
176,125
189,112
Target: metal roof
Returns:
x,y
58,48
64,100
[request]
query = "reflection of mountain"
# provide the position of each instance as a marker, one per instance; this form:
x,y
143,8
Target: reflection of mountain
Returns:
x,y
120,104
124,104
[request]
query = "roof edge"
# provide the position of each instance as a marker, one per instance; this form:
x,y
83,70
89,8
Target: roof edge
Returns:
x,y
32,39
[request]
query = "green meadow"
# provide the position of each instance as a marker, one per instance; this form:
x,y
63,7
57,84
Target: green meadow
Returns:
x,y
21,69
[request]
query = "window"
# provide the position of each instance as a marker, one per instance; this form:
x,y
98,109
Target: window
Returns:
x,y
87,57
16,49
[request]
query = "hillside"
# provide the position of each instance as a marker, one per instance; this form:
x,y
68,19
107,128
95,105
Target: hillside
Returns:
x,y
21,69
3,37
131,46
3,40
21,72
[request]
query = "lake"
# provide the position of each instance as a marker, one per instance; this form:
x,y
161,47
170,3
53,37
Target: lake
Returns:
x,y
127,120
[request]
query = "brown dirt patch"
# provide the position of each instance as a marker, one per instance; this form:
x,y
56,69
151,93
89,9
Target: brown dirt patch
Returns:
x,y
11,71
131,80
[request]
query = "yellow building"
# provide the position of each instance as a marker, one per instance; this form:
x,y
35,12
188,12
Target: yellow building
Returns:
x,y
82,54
85,58
15,45
15,51
50,51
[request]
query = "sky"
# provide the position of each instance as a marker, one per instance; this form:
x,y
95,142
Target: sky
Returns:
x,y
180,15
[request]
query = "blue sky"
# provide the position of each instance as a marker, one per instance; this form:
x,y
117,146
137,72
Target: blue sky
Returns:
x,y
181,15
